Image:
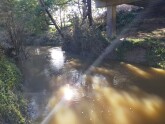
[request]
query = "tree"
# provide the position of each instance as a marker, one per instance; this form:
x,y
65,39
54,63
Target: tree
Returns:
x,y
45,8
87,11
13,28
31,15
89,4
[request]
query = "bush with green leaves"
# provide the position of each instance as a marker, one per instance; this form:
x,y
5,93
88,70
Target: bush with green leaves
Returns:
x,y
156,53
124,18
31,15
13,107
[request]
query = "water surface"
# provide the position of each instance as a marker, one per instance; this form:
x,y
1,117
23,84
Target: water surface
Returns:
x,y
60,92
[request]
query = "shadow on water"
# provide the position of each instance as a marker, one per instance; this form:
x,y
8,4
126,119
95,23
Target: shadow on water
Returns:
x,y
113,93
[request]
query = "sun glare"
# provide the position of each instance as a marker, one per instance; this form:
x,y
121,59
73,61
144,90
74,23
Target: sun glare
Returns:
x,y
68,93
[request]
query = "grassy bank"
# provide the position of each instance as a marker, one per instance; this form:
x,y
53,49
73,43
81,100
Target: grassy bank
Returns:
x,y
153,50
13,108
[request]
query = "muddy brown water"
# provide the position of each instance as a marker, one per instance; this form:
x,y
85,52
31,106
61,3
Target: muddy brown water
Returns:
x,y
112,93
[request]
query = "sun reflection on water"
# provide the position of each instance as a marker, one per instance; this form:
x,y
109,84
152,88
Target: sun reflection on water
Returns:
x,y
107,105
103,103
57,58
97,97
68,93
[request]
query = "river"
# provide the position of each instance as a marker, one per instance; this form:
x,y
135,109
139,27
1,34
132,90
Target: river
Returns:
x,y
63,90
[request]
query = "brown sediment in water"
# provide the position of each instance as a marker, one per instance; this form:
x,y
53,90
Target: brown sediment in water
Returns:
x,y
118,93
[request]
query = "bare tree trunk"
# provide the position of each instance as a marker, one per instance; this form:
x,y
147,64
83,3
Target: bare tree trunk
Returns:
x,y
84,10
64,18
51,17
89,4
61,18
15,33
87,11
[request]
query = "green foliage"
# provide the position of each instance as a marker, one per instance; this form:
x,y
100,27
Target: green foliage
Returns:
x,y
123,48
154,48
10,75
156,53
12,105
53,3
30,13
26,13
84,40
124,18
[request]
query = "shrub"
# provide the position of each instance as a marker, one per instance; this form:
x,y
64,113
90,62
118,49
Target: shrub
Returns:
x,y
156,53
12,104
125,17
84,40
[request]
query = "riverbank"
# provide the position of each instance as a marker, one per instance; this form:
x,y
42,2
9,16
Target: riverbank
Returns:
x,y
148,50
145,43
13,107
145,51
